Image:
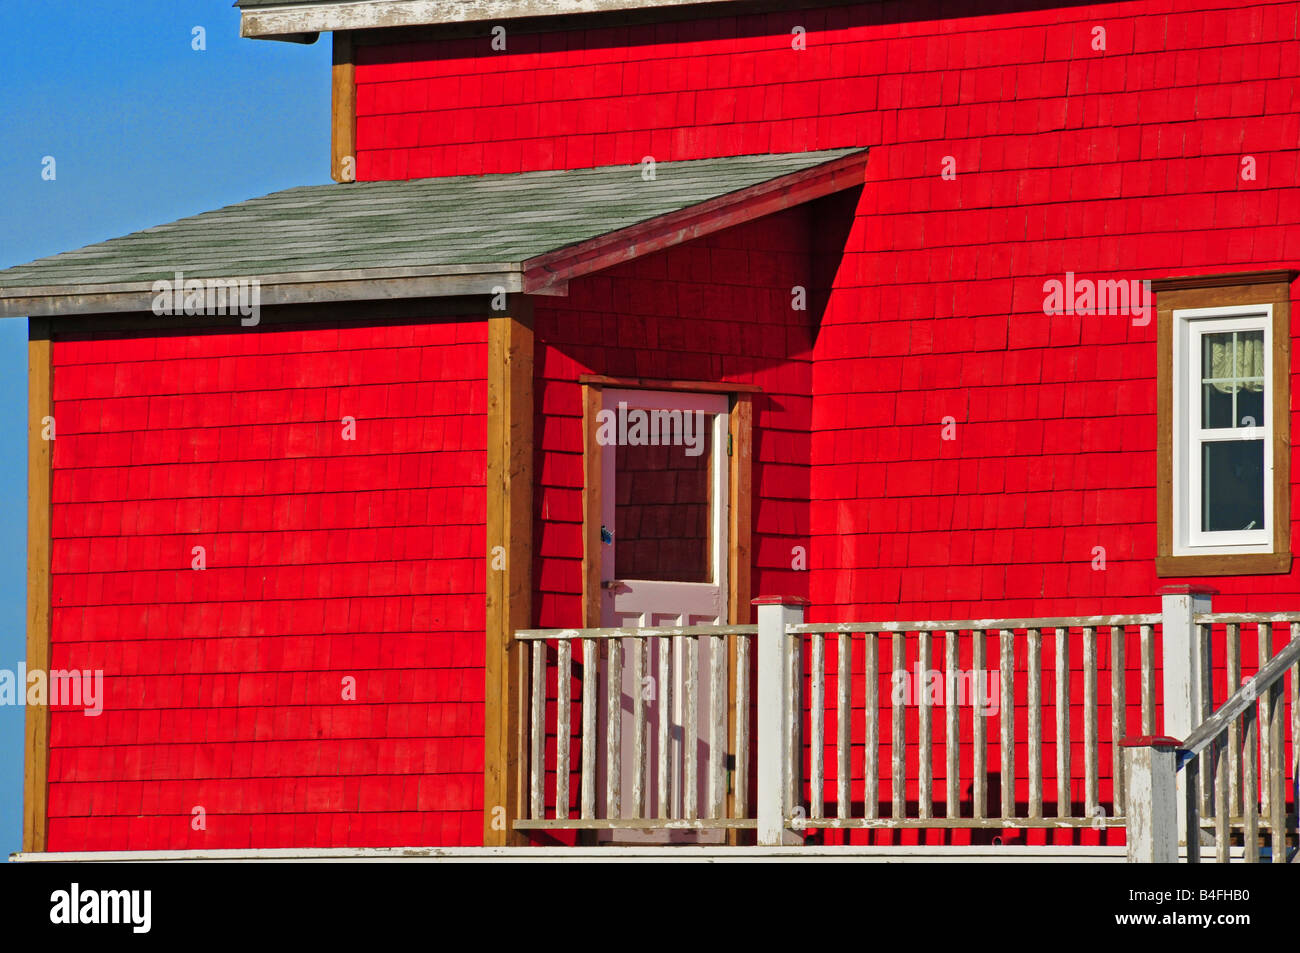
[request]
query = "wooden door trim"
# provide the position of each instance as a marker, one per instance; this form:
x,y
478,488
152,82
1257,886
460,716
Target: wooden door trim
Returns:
x,y
649,383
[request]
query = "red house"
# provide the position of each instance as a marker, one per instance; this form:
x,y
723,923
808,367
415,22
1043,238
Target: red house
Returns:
x,y
428,508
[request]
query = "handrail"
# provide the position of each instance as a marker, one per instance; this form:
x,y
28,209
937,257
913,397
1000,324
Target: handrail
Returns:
x,y
635,632
1227,777
1059,622
1235,618
926,693
1241,699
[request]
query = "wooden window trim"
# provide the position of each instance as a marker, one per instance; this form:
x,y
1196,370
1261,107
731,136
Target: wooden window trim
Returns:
x,y
646,383
1216,291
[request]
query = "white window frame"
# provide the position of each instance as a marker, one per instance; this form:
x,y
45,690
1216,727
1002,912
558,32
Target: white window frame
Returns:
x,y
1188,435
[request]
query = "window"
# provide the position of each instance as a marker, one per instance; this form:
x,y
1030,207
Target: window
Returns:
x,y
1223,416
1224,396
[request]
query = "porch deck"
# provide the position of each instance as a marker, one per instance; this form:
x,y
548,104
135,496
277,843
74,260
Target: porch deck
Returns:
x,y
634,855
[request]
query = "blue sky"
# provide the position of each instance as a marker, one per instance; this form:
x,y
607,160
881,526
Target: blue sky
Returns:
x,y
143,130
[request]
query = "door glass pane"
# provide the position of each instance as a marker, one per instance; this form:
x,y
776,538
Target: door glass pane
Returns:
x,y
662,504
1232,485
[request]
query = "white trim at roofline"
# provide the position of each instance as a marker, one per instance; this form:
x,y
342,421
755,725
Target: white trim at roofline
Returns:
x,y
1013,854
299,18
364,284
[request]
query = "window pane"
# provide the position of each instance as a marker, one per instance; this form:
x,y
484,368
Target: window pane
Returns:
x,y
1216,407
1250,407
1232,485
661,513
1216,352
1232,379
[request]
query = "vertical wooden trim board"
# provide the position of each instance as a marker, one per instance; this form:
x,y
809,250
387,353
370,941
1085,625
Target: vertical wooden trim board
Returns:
x,y
343,114
39,453
509,566
740,423
591,506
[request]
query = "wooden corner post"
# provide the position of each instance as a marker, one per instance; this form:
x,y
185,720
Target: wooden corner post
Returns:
x,y
40,447
509,565
343,111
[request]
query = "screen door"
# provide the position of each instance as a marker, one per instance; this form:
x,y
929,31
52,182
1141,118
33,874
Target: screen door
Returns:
x,y
665,547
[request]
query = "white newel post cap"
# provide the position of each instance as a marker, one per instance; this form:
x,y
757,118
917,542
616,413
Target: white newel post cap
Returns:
x,y
780,601
1187,589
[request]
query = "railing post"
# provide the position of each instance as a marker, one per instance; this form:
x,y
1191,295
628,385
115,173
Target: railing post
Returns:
x,y
773,698
1184,674
1151,767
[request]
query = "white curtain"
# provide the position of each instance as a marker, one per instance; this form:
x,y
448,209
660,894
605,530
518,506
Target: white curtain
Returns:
x,y
1249,362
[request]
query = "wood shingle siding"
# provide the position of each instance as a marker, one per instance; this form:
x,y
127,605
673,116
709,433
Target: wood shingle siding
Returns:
x,y
326,558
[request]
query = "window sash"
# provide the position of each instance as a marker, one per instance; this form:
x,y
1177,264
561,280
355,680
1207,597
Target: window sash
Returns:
x,y
1190,437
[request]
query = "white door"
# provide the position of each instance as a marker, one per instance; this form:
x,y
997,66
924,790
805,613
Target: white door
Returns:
x,y
665,546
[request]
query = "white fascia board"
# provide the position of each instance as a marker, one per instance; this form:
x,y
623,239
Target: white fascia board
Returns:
x,y
375,284
289,19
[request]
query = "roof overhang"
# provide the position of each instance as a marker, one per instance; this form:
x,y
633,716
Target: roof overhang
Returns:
x,y
288,20
554,269
547,273
362,284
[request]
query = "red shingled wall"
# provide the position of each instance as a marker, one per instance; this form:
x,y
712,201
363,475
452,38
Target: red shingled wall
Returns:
x,y
1116,164
1067,159
717,309
1122,163
326,558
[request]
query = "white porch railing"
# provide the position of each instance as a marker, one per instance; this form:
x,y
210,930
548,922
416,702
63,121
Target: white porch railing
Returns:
x,y
664,736
986,723
965,698
1225,785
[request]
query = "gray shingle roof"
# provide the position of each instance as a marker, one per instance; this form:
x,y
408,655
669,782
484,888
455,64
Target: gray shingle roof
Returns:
x,y
490,225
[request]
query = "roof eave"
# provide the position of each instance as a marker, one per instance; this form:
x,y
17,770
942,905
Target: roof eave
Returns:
x,y
303,288
282,22
545,274
696,221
